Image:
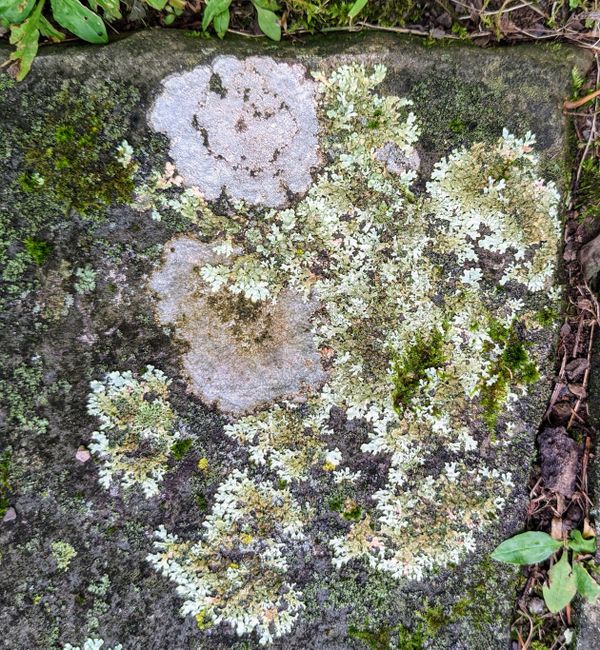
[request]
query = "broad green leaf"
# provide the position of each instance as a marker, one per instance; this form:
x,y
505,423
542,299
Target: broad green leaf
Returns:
x,y
356,8
157,4
579,544
49,31
221,23
213,8
79,20
562,587
268,22
26,39
13,12
526,548
586,585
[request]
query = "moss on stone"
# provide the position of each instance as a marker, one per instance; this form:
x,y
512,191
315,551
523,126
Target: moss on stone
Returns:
x,y
72,149
5,484
410,370
512,366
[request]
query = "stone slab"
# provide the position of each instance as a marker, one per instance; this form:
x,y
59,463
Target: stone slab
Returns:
x,y
313,435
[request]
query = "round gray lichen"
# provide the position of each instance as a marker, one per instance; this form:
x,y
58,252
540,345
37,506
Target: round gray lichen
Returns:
x,y
242,354
248,128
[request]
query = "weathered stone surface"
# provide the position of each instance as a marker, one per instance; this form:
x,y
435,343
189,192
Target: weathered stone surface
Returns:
x,y
365,508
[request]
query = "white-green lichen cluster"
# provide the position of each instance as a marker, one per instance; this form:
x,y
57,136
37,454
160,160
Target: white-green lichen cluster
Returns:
x,y
137,429
92,644
426,328
236,572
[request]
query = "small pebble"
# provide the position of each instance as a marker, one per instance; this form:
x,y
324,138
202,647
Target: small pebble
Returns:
x,y
536,606
82,455
10,514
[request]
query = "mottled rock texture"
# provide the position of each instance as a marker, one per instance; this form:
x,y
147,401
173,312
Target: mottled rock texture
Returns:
x,y
112,157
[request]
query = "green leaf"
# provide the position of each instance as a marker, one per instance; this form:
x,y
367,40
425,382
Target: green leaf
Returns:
x,y
79,20
159,5
49,31
270,5
111,8
579,544
268,22
356,8
526,548
586,585
221,23
26,39
562,587
13,12
213,8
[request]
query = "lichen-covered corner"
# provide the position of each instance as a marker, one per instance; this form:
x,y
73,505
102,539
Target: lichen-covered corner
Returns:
x,y
279,334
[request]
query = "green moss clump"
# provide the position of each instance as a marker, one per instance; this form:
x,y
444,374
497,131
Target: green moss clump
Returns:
x,y
408,371
38,249
181,448
513,366
5,458
546,316
379,639
588,191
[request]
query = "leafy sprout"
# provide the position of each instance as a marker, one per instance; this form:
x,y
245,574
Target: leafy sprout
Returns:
x,y
565,577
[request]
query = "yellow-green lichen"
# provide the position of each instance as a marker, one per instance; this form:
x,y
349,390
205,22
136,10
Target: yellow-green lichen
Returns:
x,y
237,571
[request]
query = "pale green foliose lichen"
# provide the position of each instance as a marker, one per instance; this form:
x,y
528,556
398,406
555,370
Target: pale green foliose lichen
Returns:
x,y
85,280
417,344
137,429
236,572
63,553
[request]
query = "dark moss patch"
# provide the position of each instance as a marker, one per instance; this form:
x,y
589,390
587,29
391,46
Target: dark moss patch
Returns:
x,y
38,249
181,448
71,150
588,193
5,487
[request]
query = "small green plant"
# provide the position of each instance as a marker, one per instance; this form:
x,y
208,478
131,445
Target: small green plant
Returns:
x,y
565,577
217,13
27,23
